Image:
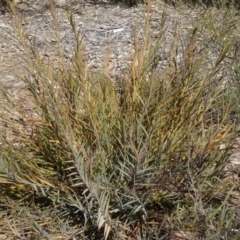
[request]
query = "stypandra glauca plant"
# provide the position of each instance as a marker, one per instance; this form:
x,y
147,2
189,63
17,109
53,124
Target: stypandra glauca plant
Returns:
x,y
139,158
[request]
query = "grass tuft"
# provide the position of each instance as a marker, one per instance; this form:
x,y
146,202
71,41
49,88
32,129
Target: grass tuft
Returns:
x,y
140,158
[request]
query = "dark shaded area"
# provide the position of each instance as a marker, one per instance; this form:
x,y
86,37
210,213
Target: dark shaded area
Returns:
x,y
206,3
129,3
3,2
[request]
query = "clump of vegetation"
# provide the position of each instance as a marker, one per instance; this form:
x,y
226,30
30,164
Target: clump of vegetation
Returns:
x,y
140,158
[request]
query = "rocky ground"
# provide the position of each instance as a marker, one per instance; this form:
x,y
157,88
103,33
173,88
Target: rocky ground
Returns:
x,y
107,31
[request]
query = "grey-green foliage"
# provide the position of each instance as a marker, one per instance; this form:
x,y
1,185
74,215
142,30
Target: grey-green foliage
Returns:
x,y
112,158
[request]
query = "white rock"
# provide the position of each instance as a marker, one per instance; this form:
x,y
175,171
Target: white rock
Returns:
x,y
222,147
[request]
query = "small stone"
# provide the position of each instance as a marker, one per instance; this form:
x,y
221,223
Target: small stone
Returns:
x,y
222,146
22,6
